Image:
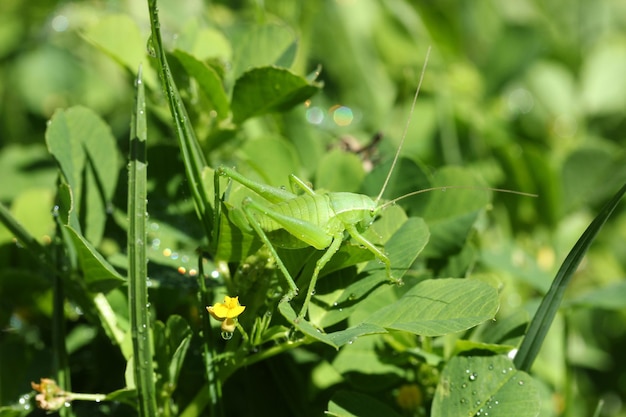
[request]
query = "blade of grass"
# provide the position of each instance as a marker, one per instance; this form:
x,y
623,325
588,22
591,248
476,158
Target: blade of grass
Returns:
x,y
137,271
193,158
549,306
195,164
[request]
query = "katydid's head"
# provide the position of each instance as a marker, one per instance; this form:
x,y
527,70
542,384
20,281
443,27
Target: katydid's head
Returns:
x,y
351,208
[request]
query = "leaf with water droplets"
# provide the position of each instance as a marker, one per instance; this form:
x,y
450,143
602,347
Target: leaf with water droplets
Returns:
x,y
485,386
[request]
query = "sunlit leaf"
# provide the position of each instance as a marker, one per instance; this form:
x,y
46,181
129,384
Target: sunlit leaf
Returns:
x,y
472,386
268,89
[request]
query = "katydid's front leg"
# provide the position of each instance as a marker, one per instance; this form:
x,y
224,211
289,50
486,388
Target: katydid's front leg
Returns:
x,y
248,209
352,230
321,262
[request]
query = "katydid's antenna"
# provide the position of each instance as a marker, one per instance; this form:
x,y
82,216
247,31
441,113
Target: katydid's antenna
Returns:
x,y
454,187
406,128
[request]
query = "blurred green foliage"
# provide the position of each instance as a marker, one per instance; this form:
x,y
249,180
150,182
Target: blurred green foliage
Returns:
x,y
528,96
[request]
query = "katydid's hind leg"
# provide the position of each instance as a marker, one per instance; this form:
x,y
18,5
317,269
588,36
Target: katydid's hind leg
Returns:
x,y
321,262
376,251
293,288
271,194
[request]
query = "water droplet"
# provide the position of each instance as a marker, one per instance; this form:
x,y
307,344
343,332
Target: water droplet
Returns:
x,y
55,211
473,376
521,382
227,335
463,401
313,292
464,385
150,48
491,366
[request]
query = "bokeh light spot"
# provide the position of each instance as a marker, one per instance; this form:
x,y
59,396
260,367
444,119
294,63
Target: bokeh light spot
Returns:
x,y
343,116
315,115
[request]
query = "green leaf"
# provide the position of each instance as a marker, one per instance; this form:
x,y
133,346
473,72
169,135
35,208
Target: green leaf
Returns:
x,y
120,37
339,171
272,159
439,306
403,247
268,89
355,404
603,87
99,275
335,339
263,45
590,174
85,150
209,82
472,386
452,211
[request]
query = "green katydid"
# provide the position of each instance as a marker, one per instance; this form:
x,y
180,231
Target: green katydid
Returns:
x,y
320,219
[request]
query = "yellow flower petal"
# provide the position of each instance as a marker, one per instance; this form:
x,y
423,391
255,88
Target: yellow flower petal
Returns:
x,y
227,310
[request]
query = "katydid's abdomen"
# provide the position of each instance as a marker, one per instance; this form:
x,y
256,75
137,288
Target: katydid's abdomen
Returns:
x,y
312,220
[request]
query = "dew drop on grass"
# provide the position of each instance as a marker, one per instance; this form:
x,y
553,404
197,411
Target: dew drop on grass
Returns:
x,y
150,48
473,376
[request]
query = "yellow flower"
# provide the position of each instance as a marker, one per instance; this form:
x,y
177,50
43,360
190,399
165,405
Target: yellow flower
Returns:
x,y
227,312
230,309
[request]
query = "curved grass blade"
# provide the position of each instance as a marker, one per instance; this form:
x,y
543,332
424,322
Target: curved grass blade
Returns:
x,y
544,316
192,155
137,270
